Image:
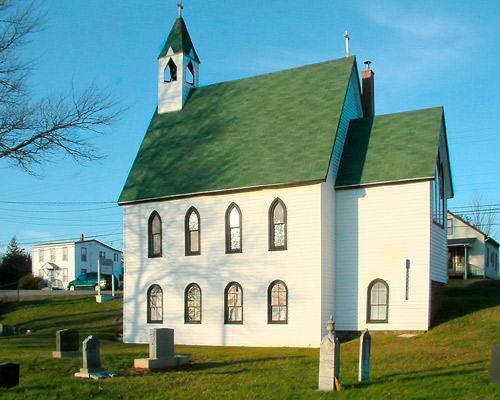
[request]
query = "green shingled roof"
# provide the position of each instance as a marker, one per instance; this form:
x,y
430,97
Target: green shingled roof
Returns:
x,y
392,147
179,40
271,129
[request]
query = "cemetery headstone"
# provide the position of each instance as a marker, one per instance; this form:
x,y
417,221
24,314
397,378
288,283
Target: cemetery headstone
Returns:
x,y
92,360
161,351
329,360
495,365
365,347
67,344
9,374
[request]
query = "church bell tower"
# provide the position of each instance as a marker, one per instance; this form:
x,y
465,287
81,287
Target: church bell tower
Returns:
x,y
178,68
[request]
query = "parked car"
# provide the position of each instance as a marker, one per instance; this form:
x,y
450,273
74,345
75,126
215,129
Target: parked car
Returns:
x,y
89,281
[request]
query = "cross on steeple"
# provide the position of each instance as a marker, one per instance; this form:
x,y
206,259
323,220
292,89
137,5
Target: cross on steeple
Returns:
x,y
181,7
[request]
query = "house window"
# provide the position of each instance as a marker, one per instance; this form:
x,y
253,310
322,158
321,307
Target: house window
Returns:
x,y
277,226
233,304
190,73
437,189
450,226
487,256
52,254
378,301
65,253
233,229
277,303
170,73
83,271
65,274
116,257
192,232
192,304
155,304
154,235
84,254
40,255
102,254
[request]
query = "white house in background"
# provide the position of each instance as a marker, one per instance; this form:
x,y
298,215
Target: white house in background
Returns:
x,y
469,246
257,208
60,263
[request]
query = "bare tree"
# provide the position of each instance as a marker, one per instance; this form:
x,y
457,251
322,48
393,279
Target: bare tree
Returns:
x,y
481,215
34,132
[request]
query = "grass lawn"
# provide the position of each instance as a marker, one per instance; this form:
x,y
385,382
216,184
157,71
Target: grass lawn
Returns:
x,y
451,361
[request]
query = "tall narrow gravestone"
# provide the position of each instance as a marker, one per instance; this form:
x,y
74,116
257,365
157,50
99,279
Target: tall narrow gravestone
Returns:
x,y
67,344
365,348
329,360
161,351
92,360
495,365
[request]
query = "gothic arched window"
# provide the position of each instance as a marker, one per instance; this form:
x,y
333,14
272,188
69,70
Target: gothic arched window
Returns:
x,y
277,226
192,232
170,73
233,229
154,235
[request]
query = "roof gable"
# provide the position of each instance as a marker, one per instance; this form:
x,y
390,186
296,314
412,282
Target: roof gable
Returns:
x,y
273,129
392,147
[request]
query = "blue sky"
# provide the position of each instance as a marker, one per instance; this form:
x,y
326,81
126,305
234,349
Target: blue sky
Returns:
x,y
424,54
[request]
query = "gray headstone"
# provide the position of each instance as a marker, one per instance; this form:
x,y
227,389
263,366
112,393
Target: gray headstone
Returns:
x,y
365,348
91,355
9,374
495,365
161,343
67,340
329,359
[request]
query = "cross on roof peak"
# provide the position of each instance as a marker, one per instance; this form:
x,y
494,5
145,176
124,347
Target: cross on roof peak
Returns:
x,y
181,7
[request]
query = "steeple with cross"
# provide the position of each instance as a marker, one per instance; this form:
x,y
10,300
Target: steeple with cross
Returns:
x,y
178,67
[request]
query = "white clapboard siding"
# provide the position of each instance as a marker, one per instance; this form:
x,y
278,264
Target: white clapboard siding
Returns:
x,y
254,269
378,229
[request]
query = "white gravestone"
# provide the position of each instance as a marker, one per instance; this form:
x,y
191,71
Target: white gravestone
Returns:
x,y
329,360
365,348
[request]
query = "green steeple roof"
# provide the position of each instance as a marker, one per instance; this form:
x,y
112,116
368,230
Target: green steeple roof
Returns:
x,y
273,129
179,40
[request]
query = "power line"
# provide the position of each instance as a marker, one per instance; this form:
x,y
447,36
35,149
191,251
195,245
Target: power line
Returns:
x,y
57,203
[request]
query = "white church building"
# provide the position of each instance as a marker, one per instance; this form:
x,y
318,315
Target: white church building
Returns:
x,y
257,208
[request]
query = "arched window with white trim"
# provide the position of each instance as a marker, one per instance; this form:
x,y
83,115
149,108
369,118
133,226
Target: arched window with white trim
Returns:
x,y
378,301
155,304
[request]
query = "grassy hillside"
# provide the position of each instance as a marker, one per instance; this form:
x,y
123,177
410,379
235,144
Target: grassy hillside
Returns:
x,y
450,361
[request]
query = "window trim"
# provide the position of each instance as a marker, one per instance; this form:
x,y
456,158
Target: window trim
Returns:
x,y
187,233
83,256
226,306
150,289
151,253
369,305
269,301
272,207
228,229
188,287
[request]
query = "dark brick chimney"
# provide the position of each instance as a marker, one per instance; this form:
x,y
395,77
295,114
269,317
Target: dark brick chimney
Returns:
x,y
368,96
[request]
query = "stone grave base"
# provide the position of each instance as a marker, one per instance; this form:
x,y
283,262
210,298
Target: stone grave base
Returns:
x,y
102,298
61,354
160,363
94,373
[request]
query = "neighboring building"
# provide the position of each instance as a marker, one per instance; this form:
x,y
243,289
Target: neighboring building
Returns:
x,y
60,263
467,245
257,208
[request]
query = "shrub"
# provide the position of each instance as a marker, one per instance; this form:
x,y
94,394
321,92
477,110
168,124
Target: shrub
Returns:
x,y
31,282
